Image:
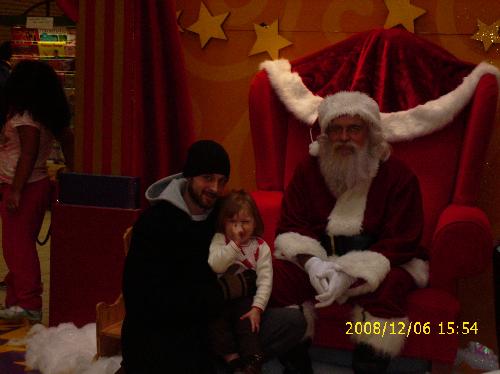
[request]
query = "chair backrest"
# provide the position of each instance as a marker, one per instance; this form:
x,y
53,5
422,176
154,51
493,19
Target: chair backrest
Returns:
x,y
448,162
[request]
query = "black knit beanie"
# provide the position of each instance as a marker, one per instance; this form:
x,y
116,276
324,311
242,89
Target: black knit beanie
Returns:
x,y
206,157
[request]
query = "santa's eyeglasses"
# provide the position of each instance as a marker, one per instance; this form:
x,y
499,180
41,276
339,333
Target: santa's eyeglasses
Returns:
x,y
338,130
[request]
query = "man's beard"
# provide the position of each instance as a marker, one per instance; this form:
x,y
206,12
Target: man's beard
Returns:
x,y
197,198
342,172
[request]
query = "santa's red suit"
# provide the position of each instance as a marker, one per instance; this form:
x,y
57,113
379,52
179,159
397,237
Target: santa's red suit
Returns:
x,y
386,209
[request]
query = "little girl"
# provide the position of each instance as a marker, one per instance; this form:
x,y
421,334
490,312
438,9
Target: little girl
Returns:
x,y
235,248
37,112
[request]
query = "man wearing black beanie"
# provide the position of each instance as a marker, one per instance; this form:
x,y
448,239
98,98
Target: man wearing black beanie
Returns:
x,y
170,291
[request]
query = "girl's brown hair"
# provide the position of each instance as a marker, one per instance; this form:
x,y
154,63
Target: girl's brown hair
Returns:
x,y
233,203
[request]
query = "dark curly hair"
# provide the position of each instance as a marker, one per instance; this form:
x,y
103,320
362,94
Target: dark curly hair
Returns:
x,y
33,87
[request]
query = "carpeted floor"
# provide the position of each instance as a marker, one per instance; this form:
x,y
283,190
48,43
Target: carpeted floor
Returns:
x,y
12,349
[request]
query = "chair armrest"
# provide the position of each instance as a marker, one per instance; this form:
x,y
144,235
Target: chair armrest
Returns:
x,y
109,314
269,204
109,319
461,246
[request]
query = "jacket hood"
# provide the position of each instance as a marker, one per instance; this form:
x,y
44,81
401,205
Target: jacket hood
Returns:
x,y
170,189
156,191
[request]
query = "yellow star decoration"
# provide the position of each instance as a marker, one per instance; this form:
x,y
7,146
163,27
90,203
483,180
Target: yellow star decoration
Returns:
x,y
208,26
268,40
177,15
401,12
488,34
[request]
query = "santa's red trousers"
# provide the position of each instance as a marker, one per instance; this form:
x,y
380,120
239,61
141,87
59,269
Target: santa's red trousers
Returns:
x,y
291,286
19,232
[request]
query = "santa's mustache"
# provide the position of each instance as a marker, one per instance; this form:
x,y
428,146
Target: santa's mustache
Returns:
x,y
338,145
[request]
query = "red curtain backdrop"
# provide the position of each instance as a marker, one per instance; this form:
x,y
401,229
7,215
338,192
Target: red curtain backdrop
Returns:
x,y
70,8
133,109
163,106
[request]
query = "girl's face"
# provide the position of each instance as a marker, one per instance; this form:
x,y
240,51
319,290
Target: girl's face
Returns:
x,y
240,227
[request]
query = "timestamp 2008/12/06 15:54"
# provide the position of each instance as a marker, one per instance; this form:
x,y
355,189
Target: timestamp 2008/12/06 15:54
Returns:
x,y
411,327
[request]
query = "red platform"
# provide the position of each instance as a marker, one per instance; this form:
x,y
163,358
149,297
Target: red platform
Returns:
x,y
86,260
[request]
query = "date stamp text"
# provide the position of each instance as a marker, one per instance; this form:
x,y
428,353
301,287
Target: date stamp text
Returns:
x,y
411,327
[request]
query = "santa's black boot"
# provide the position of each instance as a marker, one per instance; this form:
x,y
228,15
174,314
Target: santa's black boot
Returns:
x,y
366,361
297,360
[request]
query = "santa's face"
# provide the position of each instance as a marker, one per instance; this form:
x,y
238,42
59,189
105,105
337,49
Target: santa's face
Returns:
x,y
344,155
347,132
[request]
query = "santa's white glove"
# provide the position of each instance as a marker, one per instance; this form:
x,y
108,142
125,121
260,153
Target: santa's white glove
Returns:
x,y
338,283
314,267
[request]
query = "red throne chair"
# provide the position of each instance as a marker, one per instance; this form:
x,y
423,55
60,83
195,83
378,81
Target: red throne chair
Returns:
x,y
401,72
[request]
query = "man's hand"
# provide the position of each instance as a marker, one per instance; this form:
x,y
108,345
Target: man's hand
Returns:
x,y
338,283
316,269
254,316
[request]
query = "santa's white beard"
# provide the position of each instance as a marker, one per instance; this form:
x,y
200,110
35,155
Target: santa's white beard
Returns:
x,y
341,171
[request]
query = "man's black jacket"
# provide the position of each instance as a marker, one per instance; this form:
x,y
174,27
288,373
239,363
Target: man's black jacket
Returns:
x,y
170,293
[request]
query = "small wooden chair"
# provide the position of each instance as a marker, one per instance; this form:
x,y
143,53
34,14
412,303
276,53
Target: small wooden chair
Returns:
x,y
109,318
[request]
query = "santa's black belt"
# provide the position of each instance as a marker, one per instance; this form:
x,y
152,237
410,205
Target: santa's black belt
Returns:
x,y
344,244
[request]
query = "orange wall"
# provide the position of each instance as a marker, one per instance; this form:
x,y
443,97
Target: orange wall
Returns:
x,y
219,77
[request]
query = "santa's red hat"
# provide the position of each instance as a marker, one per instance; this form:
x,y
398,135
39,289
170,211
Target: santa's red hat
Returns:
x,y
348,103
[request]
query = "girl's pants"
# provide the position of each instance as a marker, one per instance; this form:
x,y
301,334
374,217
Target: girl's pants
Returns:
x,y
19,232
230,334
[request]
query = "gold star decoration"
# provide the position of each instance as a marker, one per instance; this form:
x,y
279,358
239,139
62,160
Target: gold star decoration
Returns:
x,y
208,26
268,40
488,34
177,15
401,12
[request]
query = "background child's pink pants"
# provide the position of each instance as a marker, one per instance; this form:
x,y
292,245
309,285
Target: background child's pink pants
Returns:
x,y
19,232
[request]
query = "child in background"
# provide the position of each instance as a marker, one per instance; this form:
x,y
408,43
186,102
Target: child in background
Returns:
x,y
234,248
37,111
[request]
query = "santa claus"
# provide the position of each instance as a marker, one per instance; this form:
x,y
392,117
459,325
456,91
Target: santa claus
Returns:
x,y
352,219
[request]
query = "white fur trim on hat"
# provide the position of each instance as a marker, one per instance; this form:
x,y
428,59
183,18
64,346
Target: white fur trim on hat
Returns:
x,y
314,148
398,126
385,342
290,244
348,103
